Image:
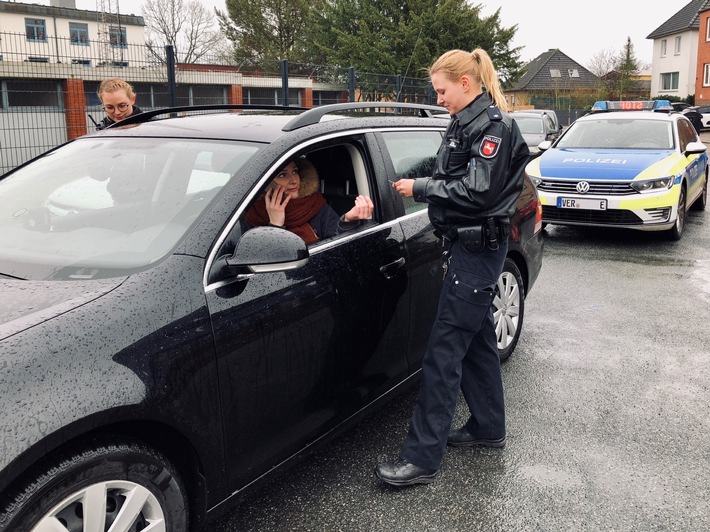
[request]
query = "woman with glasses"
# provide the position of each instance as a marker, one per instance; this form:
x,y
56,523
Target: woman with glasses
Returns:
x,y
118,100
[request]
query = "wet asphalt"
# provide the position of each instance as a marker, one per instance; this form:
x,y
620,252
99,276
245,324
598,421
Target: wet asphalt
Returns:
x,y
608,401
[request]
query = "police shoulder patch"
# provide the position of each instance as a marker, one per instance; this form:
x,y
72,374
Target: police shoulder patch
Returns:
x,y
489,146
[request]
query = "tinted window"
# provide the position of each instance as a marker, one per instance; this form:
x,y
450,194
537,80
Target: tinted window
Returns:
x,y
413,154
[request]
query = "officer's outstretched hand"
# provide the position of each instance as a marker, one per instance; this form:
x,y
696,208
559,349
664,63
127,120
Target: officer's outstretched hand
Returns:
x,y
405,187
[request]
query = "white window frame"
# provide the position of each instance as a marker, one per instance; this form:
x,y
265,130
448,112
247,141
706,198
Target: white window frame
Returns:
x,y
707,29
677,45
706,75
664,46
668,79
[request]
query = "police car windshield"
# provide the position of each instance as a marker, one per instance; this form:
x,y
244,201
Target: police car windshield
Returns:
x,y
619,133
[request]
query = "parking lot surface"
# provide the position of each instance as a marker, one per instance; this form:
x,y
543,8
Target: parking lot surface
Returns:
x,y
607,399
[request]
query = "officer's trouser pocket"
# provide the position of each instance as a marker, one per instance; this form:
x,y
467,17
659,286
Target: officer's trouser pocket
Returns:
x,y
465,306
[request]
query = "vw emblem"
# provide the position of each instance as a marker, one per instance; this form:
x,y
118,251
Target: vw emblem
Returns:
x,y
583,187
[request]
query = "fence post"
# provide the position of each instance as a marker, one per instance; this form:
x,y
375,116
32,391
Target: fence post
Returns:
x,y
284,81
172,85
351,84
398,87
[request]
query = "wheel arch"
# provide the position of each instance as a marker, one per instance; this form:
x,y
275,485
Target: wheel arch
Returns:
x,y
517,257
163,438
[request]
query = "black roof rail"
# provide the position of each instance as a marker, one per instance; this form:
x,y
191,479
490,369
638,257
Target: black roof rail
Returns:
x,y
148,115
313,116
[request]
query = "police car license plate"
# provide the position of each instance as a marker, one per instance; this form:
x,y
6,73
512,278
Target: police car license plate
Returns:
x,y
581,203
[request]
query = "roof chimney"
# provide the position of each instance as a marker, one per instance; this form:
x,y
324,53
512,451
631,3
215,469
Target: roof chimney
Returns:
x,y
63,3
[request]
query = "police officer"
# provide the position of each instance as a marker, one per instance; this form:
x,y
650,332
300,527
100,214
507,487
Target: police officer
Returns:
x,y
478,178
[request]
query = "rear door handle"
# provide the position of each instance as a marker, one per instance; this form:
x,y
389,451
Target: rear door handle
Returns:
x,y
389,270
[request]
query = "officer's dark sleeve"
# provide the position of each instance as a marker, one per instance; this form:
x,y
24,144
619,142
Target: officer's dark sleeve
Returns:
x,y
488,179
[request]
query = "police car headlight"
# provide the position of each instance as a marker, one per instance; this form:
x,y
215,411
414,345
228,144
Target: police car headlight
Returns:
x,y
652,185
536,180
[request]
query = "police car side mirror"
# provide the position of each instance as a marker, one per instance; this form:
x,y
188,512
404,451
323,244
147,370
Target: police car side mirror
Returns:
x,y
544,145
695,147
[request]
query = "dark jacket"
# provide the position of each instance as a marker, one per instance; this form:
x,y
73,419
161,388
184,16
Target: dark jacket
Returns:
x,y
479,169
107,121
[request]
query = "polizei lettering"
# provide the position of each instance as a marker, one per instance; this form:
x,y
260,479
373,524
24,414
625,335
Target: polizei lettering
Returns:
x,y
596,161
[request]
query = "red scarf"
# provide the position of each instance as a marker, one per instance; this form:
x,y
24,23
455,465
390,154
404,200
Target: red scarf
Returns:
x,y
299,212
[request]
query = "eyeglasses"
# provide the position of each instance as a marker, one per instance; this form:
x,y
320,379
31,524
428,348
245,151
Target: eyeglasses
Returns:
x,y
121,107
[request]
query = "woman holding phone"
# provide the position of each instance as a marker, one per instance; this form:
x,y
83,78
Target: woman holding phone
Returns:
x,y
292,201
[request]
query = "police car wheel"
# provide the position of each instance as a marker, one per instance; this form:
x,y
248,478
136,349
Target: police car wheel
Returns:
x,y
676,232
701,202
508,308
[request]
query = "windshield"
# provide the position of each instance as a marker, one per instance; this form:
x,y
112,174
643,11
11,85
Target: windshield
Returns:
x,y
532,125
619,133
103,207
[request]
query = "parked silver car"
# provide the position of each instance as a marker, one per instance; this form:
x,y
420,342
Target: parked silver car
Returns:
x,y
536,127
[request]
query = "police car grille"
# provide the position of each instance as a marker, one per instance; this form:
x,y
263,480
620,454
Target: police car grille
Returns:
x,y
570,187
607,217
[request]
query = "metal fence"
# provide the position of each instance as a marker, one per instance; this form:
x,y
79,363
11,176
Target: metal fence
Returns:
x,y
48,89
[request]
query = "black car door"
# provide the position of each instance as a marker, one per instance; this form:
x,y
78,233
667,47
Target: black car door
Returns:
x,y
300,351
412,154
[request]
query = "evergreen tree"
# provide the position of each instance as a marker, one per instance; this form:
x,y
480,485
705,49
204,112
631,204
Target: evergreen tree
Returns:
x,y
627,68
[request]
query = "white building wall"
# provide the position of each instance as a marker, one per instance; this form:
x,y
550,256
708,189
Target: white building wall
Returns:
x,y
58,35
685,63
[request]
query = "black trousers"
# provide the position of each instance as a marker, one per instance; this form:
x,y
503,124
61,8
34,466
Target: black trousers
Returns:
x,y
462,352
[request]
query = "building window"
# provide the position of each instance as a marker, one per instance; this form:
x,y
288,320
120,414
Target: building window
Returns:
x,y
707,29
264,96
669,81
555,73
83,62
117,37
706,75
32,93
664,44
677,45
326,97
37,59
79,33
36,29
573,72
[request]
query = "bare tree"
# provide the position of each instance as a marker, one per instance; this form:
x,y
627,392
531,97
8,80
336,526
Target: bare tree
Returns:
x,y
187,25
603,62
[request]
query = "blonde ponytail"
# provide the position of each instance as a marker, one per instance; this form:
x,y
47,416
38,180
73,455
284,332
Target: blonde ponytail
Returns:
x,y
478,65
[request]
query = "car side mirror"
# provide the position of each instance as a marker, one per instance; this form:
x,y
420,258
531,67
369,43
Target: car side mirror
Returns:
x,y
695,147
268,249
544,145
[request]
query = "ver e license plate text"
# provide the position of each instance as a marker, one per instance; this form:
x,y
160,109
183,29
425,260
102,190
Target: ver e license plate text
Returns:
x,y
581,203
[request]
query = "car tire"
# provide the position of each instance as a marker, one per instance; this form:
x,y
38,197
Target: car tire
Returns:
x,y
700,203
508,308
676,232
87,487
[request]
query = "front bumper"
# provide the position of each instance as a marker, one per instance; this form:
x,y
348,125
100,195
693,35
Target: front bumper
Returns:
x,y
655,211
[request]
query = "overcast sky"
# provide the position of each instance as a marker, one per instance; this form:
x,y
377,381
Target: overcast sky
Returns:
x,y
581,30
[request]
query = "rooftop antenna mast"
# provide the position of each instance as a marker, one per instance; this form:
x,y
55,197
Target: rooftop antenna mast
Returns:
x,y
111,41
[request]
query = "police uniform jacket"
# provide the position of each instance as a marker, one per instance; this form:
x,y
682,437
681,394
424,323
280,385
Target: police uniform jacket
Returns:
x,y
479,169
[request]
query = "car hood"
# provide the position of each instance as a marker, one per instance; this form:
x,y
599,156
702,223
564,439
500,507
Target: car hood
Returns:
x,y
611,165
28,303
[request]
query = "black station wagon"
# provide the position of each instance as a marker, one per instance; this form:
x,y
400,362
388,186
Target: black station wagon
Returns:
x,y
158,358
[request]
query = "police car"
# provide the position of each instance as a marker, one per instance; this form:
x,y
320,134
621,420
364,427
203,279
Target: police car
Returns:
x,y
627,164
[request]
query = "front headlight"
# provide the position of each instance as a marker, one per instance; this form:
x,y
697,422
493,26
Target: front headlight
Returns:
x,y
652,185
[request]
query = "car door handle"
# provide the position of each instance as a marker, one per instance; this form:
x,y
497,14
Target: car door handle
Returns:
x,y
388,270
